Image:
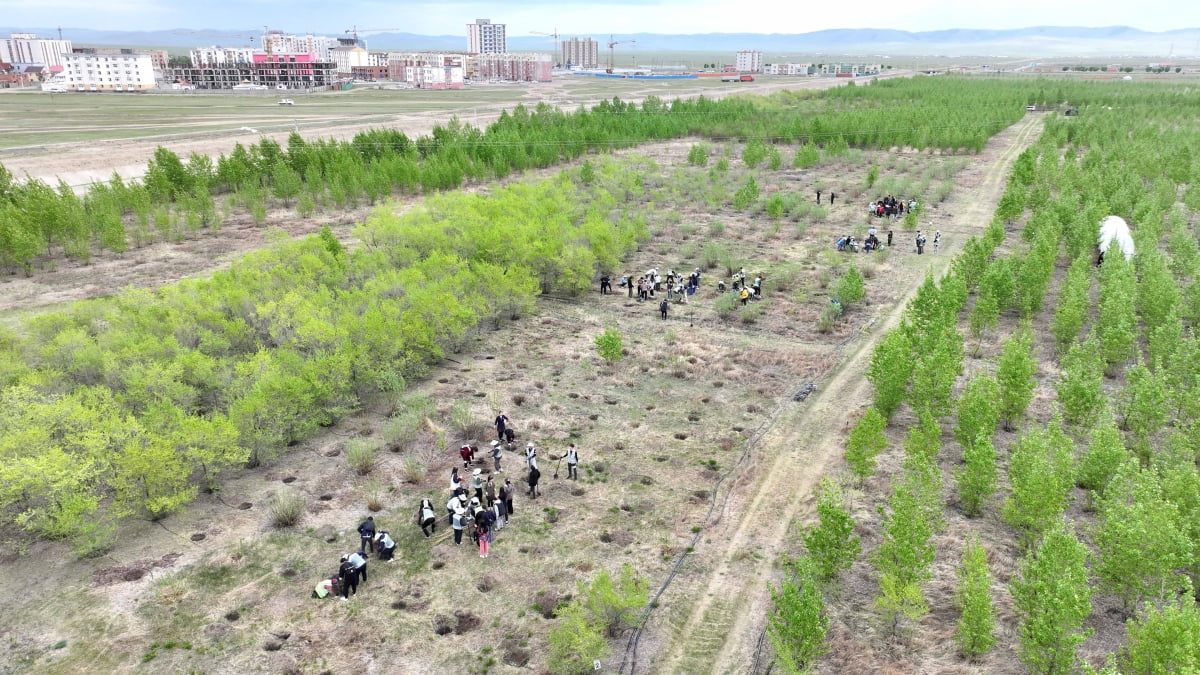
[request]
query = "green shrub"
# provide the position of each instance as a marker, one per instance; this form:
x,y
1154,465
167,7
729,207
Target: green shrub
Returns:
x,y
828,317
286,508
610,345
726,305
361,455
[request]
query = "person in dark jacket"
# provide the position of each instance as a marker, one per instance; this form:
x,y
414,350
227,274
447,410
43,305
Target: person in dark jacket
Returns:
x,y
501,423
509,489
426,517
348,578
366,534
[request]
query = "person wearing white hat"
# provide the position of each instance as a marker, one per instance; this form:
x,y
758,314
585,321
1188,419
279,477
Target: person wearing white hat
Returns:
x,y
497,454
530,455
457,521
477,484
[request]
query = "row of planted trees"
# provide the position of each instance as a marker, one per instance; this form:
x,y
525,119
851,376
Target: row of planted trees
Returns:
x,y
180,197
131,405
1122,435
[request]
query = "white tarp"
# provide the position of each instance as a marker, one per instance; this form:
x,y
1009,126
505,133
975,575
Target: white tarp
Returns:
x,y
1114,229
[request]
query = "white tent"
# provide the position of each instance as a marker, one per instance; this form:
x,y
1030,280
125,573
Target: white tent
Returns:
x,y
1114,230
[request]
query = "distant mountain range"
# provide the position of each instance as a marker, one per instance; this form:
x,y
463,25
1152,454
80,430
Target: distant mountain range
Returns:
x,y
1035,41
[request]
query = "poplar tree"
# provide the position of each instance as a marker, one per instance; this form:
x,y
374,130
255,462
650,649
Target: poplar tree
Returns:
x,y
1053,596
1015,374
976,630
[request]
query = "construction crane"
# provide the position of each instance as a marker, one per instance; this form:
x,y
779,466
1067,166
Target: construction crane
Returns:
x,y
355,30
613,43
552,35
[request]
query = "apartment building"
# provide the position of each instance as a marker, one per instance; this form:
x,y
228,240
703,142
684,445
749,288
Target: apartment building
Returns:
x,y
583,53
29,48
221,56
108,70
278,42
273,71
399,63
348,58
789,69
749,61
511,67
485,37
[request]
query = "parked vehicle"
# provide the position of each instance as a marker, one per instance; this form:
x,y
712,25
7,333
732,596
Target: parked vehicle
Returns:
x,y
286,101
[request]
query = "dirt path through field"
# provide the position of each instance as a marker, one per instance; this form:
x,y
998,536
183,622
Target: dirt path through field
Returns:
x,y
729,599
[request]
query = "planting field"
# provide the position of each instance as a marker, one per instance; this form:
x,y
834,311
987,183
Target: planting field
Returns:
x,y
972,461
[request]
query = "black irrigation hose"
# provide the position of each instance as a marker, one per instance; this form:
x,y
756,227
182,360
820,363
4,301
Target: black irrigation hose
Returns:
x,y
630,655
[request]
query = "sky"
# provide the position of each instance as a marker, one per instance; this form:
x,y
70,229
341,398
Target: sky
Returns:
x,y
576,17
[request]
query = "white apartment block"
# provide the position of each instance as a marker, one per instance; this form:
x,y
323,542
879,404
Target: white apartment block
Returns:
x,y
28,48
276,42
377,59
749,61
584,53
221,56
348,58
116,71
434,77
788,69
485,37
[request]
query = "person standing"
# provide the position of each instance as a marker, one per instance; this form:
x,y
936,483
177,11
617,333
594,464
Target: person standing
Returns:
x,y
477,483
484,535
744,295
509,489
572,458
832,196
366,534
501,423
530,455
889,238
629,284
605,286
426,518
457,522
497,454
818,196
534,476
920,243
662,309
489,491
937,239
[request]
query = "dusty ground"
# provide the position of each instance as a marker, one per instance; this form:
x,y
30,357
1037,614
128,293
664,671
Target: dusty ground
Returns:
x,y
693,390
81,163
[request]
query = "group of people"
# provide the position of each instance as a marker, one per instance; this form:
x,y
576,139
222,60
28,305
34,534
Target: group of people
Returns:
x,y
891,207
676,285
352,567
922,239
871,243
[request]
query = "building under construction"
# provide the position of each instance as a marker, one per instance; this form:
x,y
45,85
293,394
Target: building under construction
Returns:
x,y
274,71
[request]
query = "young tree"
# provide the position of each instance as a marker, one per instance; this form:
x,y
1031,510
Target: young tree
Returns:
x,y
865,443
938,362
889,370
746,194
904,557
832,545
978,410
851,288
698,156
1141,406
1041,473
797,625
976,632
1105,453
285,183
1053,596
1158,292
1079,385
1116,322
1073,303
610,344
1015,375
1139,539
977,476
1165,638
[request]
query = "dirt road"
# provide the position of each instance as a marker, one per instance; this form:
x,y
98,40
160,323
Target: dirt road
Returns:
x,y
713,620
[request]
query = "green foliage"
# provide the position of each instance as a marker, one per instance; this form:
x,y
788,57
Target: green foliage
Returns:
x,y
1157,292
829,316
872,175
978,410
976,630
851,288
575,642
904,556
1073,303
361,455
698,155
610,344
1116,321
746,194
1052,597
1164,638
1015,374
600,610
1105,453
865,443
1140,540
1080,383
754,152
797,625
286,508
889,370
1041,472
832,545
806,155
977,476
587,173
1141,407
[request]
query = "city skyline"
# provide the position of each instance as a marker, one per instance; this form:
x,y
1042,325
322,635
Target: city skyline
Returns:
x,y
524,17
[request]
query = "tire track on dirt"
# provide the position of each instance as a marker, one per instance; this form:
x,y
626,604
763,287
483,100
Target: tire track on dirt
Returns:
x,y
725,621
